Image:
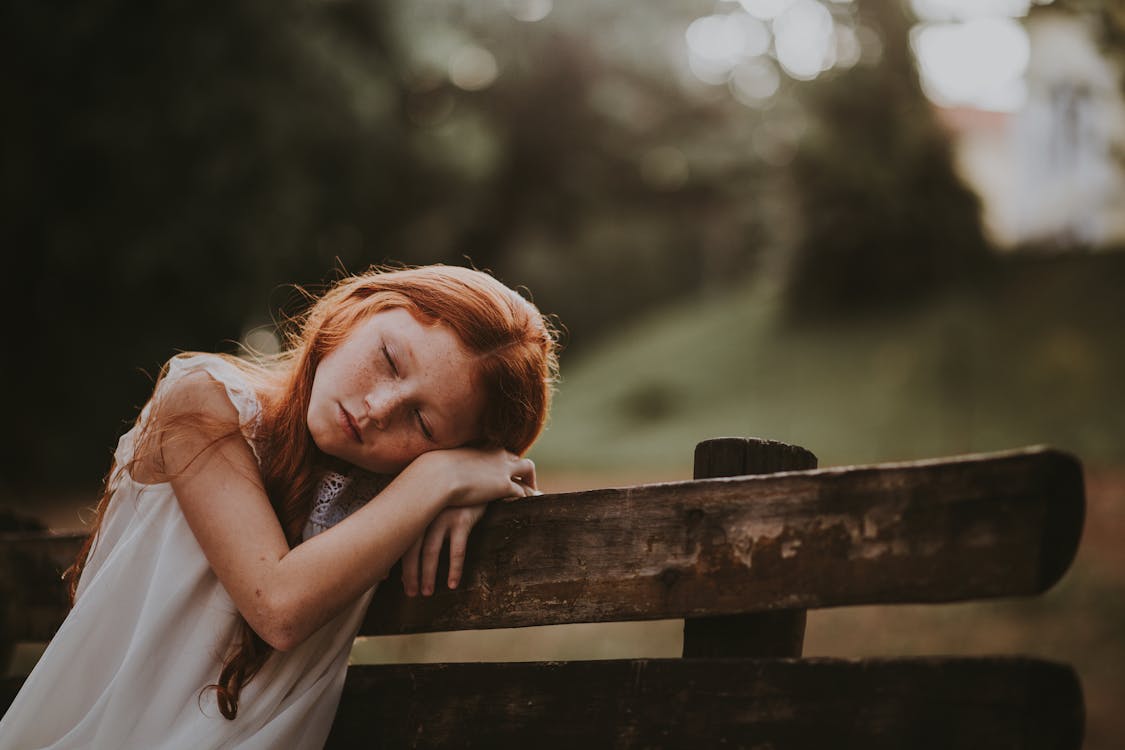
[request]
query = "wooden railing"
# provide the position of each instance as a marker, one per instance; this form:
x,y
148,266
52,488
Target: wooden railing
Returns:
x,y
740,558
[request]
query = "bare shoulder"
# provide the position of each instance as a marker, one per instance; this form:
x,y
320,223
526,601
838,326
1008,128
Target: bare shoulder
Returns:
x,y
197,392
191,416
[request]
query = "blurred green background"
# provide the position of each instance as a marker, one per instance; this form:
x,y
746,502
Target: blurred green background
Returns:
x,y
880,229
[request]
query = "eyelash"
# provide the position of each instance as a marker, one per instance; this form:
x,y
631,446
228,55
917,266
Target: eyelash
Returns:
x,y
391,362
417,415
422,426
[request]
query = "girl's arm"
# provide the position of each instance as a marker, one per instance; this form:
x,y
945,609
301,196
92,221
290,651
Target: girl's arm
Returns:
x,y
287,594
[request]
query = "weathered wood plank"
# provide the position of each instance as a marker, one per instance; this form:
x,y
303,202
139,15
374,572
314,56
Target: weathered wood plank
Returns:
x,y
9,687
994,703
757,634
33,600
952,703
929,531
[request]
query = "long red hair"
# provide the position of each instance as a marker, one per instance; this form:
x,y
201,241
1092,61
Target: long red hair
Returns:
x,y
513,344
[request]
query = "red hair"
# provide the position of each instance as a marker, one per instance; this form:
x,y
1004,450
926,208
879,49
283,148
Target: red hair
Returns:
x,y
515,350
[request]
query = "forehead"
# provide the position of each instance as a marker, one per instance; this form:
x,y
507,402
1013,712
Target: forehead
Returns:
x,y
418,331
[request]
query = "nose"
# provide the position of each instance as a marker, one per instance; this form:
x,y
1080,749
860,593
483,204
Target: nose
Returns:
x,y
382,405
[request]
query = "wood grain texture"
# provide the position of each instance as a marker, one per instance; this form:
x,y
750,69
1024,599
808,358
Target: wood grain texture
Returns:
x,y
757,634
930,531
995,703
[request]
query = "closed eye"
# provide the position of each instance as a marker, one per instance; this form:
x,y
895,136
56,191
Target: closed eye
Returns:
x,y
390,360
422,426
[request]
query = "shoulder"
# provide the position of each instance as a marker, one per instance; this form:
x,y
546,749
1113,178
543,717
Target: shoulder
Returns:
x,y
196,392
190,412
210,384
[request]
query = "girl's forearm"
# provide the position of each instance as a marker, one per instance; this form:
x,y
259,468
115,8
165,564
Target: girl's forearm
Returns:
x,y
318,578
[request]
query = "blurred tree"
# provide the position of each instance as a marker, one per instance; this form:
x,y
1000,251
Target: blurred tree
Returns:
x,y
885,220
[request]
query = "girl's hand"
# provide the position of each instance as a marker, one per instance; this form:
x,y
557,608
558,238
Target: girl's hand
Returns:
x,y
471,476
452,522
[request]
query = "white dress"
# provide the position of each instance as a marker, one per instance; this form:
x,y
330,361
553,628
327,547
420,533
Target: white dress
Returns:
x,y
149,628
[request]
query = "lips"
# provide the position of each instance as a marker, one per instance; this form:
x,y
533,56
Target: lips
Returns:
x,y
348,423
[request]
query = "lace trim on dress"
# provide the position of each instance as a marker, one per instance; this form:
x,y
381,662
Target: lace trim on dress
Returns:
x,y
338,495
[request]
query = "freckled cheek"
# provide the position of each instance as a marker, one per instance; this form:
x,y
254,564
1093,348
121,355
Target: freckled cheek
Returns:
x,y
355,381
405,451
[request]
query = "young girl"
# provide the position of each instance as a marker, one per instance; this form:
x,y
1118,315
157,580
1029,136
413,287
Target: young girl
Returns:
x,y
235,551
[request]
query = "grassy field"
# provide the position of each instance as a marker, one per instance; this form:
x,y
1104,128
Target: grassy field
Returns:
x,y
1036,355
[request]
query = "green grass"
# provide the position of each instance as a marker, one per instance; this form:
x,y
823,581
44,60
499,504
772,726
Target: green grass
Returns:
x,y
1036,355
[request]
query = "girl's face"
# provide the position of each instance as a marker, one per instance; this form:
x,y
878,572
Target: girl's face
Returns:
x,y
392,390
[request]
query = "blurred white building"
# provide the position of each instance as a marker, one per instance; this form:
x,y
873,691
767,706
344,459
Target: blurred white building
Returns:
x,y
1051,172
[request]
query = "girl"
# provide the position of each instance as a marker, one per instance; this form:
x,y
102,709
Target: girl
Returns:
x,y
235,551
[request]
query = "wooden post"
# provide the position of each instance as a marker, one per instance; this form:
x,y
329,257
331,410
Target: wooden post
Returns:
x,y
764,634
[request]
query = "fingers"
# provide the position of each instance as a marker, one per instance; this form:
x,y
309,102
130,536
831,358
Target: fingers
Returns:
x,y
431,549
410,568
525,472
458,541
524,481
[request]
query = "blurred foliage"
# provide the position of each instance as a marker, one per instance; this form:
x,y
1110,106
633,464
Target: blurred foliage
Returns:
x,y
168,169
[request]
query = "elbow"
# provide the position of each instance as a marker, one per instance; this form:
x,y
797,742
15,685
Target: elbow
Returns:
x,y
282,642
280,627
280,638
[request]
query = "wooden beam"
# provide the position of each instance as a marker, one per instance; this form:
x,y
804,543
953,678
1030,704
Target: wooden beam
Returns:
x,y
929,531
972,527
758,634
948,703
33,599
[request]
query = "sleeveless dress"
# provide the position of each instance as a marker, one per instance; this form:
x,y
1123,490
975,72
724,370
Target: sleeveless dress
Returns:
x,y
151,623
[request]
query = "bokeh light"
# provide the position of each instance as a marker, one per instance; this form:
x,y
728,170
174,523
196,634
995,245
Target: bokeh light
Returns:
x,y
473,68
262,340
979,62
849,49
973,53
963,10
766,9
718,43
529,11
754,82
805,39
